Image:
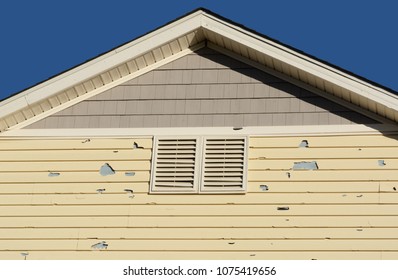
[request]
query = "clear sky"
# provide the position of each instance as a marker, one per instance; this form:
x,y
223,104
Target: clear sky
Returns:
x,y
42,38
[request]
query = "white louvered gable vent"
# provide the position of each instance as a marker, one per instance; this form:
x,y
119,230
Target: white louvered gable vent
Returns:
x,y
199,165
175,168
224,165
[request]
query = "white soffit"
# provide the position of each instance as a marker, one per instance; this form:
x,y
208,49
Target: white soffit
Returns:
x,y
173,41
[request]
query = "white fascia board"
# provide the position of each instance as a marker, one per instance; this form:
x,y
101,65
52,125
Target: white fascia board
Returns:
x,y
101,64
306,130
300,61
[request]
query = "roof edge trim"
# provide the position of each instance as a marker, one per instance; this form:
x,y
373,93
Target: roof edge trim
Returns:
x,y
102,63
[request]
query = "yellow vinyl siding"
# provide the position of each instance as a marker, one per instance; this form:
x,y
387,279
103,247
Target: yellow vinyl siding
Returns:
x,y
205,245
74,155
152,209
112,220
200,255
71,166
110,196
205,233
253,187
74,144
347,209
329,141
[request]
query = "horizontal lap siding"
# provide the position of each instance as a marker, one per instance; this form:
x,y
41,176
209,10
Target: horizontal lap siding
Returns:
x,y
349,168
347,209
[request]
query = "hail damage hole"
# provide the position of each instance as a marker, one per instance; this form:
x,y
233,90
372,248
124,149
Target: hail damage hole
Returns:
x,y
106,170
100,191
305,165
86,141
264,188
394,188
283,208
53,174
237,128
303,144
130,193
136,146
100,246
24,254
381,162
129,173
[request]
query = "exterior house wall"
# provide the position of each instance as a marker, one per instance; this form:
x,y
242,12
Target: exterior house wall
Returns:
x,y
71,192
203,89
346,209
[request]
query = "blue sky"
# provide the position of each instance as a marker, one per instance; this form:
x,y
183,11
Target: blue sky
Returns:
x,y
42,38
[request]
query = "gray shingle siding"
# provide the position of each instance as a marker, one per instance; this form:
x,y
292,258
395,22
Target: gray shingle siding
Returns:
x,y
206,89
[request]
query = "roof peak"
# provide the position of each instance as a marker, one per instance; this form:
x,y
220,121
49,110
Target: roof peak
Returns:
x,y
178,37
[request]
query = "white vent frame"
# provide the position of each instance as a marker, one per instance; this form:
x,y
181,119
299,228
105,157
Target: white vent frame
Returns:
x,y
199,167
243,175
155,162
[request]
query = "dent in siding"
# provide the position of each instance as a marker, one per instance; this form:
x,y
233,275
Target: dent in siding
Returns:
x,y
305,165
129,173
264,188
106,170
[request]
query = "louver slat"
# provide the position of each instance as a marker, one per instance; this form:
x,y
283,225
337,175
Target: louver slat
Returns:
x,y
174,166
224,165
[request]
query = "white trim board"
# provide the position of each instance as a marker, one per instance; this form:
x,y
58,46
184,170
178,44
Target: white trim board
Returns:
x,y
101,64
308,130
299,61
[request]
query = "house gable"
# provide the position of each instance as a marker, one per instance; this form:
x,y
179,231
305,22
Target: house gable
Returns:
x,y
203,89
179,38
280,189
